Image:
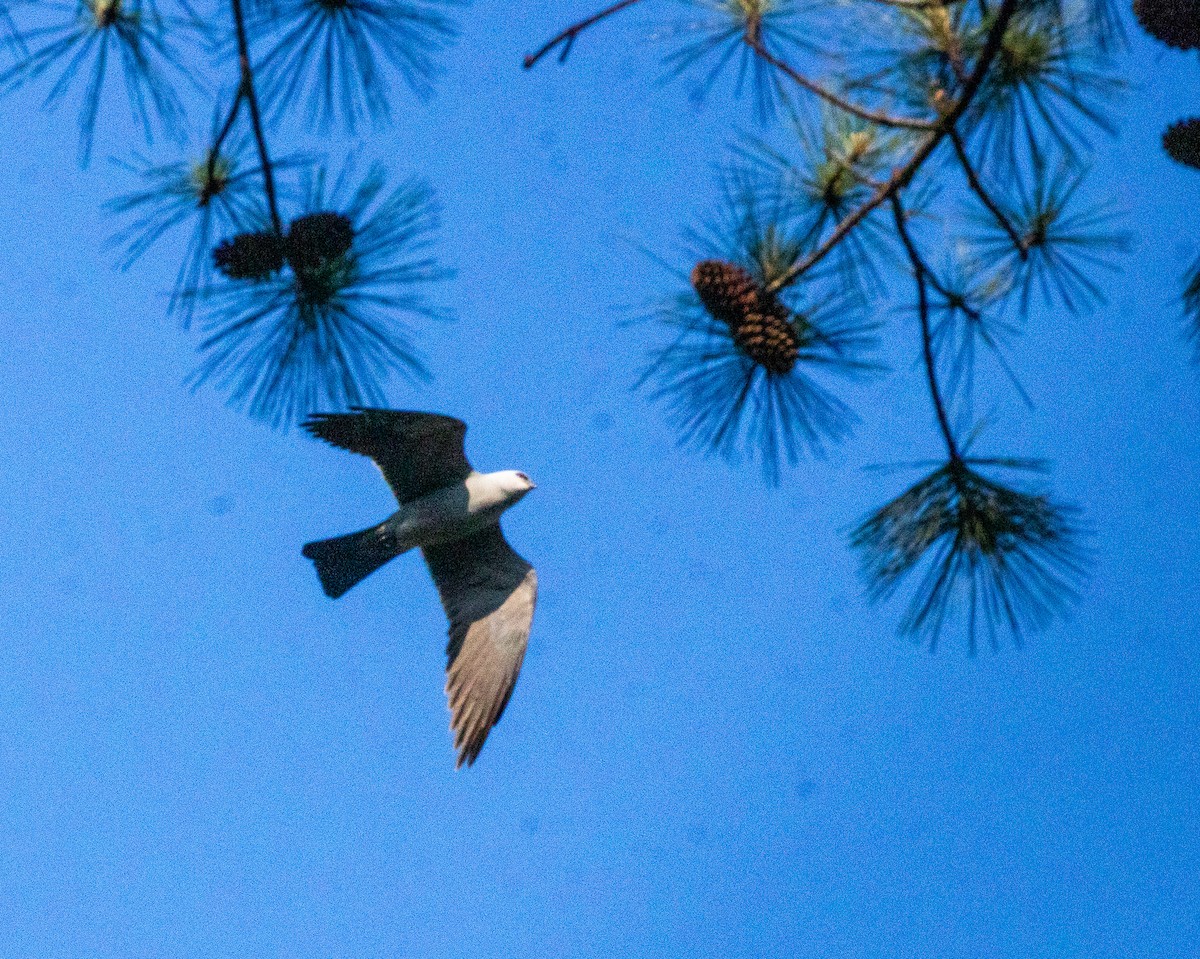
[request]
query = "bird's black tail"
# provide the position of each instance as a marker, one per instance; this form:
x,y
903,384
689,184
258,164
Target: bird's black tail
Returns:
x,y
344,560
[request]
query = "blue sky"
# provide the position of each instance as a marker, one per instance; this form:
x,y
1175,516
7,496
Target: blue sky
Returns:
x,y
716,747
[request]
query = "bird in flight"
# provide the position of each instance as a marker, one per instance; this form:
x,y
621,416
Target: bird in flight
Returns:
x,y
452,514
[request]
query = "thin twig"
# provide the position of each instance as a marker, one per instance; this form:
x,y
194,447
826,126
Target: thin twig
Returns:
x,y
214,150
915,4
902,175
247,90
952,298
753,37
921,272
566,39
985,198
958,300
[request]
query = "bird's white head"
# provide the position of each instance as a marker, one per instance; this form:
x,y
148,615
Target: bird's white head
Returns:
x,y
513,483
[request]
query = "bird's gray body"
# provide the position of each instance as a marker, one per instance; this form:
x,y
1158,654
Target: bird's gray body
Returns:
x,y
452,514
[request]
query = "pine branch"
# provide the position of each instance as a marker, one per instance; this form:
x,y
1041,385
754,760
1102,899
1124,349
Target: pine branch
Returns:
x,y
214,151
901,177
921,272
985,198
566,39
246,90
753,38
914,4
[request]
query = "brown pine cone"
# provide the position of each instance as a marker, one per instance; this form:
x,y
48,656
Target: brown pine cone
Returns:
x,y
759,323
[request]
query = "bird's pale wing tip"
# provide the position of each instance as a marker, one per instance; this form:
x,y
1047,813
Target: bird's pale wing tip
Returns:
x,y
467,756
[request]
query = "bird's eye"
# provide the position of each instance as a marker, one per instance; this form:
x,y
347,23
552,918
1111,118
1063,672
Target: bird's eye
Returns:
x,y
524,477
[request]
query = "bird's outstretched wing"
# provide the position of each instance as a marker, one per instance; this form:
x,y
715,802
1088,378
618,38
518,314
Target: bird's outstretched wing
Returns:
x,y
489,593
417,452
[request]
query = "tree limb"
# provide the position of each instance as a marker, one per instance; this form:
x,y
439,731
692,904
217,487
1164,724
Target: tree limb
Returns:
x,y
214,151
753,38
902,175
985,198
921,272
247,90
566,39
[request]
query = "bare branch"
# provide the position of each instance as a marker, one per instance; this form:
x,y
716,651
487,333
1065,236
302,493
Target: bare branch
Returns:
x,y
985,198
247,90
922,272
753,38
915,4
566,39
214,151
953,297
903,175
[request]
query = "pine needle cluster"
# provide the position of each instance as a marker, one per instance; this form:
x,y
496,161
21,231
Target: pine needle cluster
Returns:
x,y
930,154
305,294
1010,558
746,370
313,319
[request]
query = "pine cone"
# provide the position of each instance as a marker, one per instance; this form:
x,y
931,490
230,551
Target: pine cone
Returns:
x,y
760,324
250,256
318,238
1175,22
1182,142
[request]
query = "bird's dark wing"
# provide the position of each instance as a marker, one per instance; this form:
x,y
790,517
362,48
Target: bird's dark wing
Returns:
x,y
489,593
417,452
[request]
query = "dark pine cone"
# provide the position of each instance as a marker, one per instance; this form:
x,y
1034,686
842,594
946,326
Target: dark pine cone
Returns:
x,y
1182,142
318,238
250,256
1175,22
758,321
